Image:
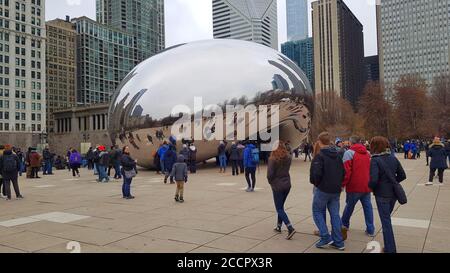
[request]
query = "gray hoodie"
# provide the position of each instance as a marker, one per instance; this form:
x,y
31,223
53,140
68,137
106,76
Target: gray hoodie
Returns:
x,y
180,170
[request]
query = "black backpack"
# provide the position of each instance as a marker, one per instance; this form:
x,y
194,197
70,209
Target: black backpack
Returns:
x,y
9,164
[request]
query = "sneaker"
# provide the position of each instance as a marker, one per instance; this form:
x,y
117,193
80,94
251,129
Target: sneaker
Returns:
x,y
177,199
291,234
181,200
248,190
130,197
344,233
338,247
19,197
429,184
252,190
324,244
277,229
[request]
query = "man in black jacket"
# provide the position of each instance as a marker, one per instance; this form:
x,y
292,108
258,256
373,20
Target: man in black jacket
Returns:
x,y
327,175
9,168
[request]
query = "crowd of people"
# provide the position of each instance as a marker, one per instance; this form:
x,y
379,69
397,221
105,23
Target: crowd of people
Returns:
x,y
355,166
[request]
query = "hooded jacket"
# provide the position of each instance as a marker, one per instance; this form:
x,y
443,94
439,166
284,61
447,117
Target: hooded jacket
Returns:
x,y
5,174
357,169
379,180
234,152
170,158
180,170
438,156
327,171
75,159
248,160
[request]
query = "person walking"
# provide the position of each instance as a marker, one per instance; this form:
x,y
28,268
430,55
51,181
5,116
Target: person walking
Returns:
x,y
222,156
2,188
307,150
116,155
241,149
9,170
407,149
251,162
438,161
129,171
185,152
68,157
327,176
356,182
234,158
382,167
161,152
180,174
35,163
427,148
170,158
48,161
90,158
280,181
21,161
75,162
192,158
102,165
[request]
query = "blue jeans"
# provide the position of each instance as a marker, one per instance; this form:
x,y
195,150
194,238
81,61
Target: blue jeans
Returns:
x,y
323,201
366,202
126,187
385,208
95,169
162,165
223,161
48,168
117,174
102,175
279,198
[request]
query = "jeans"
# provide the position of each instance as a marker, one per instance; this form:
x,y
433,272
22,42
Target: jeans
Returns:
x,y
117,174
279,198
235,167
126,187
223,161
440,174
20,168
161,162
48,168
323,201
241,166
250,173
385,208
366,202
95,168
102,173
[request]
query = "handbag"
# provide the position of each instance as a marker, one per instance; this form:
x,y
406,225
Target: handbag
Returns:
x,y
399,192
129,174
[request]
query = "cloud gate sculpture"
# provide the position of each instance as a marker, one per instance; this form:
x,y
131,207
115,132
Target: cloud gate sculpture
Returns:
x,y
185,94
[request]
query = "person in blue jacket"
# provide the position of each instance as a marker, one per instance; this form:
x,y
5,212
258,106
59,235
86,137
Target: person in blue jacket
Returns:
x,y
438,161
406,148
161,151
413,148
170,158
251,161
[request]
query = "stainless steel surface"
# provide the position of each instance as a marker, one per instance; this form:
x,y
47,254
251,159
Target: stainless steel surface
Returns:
x,y
222,72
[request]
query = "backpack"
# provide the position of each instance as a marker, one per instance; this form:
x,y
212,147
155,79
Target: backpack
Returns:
x,y
255,156
9,164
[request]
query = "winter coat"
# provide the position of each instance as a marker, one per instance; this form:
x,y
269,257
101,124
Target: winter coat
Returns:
x,y
75,159
234,152
90,155
438,156
241,149
248,159
327,171
357,169
221,150
104,159
127,162
407,147
278,174
185,153
379,181
4,174
170,158
192,154
47,155
35,160
162,151
180,170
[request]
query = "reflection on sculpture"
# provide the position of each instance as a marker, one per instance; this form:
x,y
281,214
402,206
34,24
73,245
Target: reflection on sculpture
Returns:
x,y
221,72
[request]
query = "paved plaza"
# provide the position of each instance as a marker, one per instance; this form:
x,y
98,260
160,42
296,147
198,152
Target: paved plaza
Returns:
x,y
218,216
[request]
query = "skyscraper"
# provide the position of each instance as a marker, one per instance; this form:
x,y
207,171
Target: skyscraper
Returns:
x,y
22,72
250,20
372,68
297,19
338,51
105,56
144,19
414,38
61,68
302,53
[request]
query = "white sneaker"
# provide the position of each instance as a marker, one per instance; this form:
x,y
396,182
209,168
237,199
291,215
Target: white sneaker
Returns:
x,y
429,184
248,190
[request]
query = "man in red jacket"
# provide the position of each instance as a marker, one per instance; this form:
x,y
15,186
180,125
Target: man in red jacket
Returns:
x,y
356,182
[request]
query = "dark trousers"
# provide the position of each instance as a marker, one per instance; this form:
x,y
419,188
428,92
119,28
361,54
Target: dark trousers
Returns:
x,y
117,174
75,171
193,166
7,186
34,172
126,187
428,160
241,166
280,198
90,165
308,155
250,173
235,167
406,154
440,174
385,208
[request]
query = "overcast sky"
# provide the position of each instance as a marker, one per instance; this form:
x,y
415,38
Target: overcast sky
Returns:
x,y
190,20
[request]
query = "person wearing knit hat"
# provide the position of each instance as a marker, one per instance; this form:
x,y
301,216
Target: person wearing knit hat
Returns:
x,y
438,157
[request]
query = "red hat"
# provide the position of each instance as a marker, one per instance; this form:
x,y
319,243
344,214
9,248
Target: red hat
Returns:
x,y
102,148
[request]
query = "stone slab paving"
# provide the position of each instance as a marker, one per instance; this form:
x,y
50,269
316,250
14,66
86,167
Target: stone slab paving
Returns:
x,y
218,216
